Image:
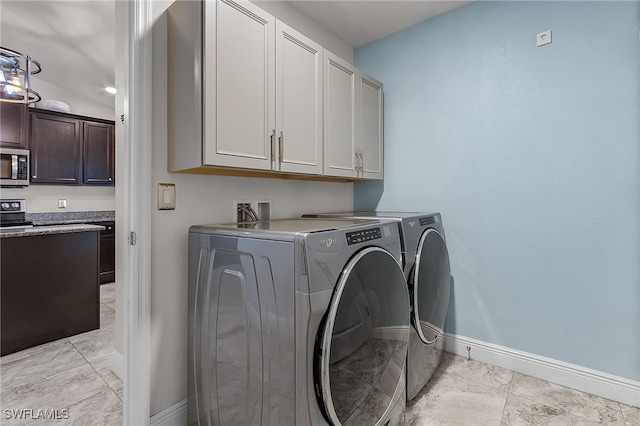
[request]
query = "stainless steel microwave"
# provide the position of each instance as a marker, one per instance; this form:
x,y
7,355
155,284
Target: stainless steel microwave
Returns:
x,y
14,168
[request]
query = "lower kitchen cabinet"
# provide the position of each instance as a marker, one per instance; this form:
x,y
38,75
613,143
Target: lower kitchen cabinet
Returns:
x,y
107,251
48,288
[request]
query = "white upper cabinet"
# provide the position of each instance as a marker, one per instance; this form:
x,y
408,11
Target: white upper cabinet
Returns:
x,y
239,61
298,102
371,129
340,118
353,116
249,95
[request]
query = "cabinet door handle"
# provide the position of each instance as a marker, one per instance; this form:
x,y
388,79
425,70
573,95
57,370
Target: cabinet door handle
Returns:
x,y
273,145
359,163
110,179
281,146
34,177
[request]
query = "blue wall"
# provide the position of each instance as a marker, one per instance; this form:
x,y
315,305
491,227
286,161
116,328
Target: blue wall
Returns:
x,y
531,155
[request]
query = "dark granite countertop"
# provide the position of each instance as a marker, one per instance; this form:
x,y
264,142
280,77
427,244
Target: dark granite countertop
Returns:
x,y
50,229
61,218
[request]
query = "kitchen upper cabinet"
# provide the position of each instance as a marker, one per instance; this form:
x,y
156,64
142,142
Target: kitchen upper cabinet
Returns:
x,y
13,125
99,153
371,128
56,149
340,117
71,150
298,102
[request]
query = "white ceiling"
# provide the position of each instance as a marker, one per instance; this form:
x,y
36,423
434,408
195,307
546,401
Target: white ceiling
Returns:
x,y
359,22
74,40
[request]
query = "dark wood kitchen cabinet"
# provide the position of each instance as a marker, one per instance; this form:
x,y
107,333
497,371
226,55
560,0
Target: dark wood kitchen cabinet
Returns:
x,y
98,159
55,143
67,149
107,251
13,125
48,287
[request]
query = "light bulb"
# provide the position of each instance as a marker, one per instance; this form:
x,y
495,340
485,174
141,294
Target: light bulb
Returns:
x,y
14,85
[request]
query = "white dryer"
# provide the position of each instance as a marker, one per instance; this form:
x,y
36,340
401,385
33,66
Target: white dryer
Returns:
x,y
297,322
426,266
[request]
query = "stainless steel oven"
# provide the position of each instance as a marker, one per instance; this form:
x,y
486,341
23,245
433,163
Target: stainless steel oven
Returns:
x,y
14,168
13,214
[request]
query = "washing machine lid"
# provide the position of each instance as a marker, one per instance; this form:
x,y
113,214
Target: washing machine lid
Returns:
x,y
430,283
362,348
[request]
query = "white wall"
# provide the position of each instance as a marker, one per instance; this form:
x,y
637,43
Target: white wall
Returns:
x,y
44,198
202,199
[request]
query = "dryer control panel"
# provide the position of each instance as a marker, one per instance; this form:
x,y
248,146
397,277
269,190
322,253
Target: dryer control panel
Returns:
x,y
363,236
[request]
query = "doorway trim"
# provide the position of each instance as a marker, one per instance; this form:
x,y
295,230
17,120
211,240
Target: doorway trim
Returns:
x,y
136,182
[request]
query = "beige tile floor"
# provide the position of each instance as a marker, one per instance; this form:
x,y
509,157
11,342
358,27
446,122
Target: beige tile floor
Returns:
x,y
71,375
473,393
74,374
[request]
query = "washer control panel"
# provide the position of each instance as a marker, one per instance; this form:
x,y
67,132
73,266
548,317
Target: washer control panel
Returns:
x,y
357,237
429,220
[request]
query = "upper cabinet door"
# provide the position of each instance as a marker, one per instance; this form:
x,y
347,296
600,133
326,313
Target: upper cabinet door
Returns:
x,y
239,60
371,135
298,102
13,125
99,153
340,118
55,149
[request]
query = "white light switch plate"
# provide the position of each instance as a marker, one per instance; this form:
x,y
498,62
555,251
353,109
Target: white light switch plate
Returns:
x,y
166,196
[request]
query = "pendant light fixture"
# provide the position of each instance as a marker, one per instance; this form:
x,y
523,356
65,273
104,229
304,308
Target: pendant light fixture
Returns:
x,y
15,72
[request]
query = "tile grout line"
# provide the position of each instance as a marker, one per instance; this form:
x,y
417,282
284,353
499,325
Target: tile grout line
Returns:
x,y
96,371
506,400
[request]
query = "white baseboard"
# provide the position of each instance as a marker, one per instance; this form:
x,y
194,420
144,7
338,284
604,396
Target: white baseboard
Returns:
x,y
117,364
574,376
176,415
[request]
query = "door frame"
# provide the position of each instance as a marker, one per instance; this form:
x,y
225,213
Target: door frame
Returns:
x,y
134,208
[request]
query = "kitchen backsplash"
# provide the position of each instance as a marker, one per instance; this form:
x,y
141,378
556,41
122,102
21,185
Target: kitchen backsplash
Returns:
x,y
44,198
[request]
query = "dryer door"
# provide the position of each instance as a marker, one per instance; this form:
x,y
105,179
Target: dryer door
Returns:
x,y
430,282
363,346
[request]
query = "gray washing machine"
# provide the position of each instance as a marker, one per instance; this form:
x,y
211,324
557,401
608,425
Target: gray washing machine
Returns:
x,y
426,266
301,321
